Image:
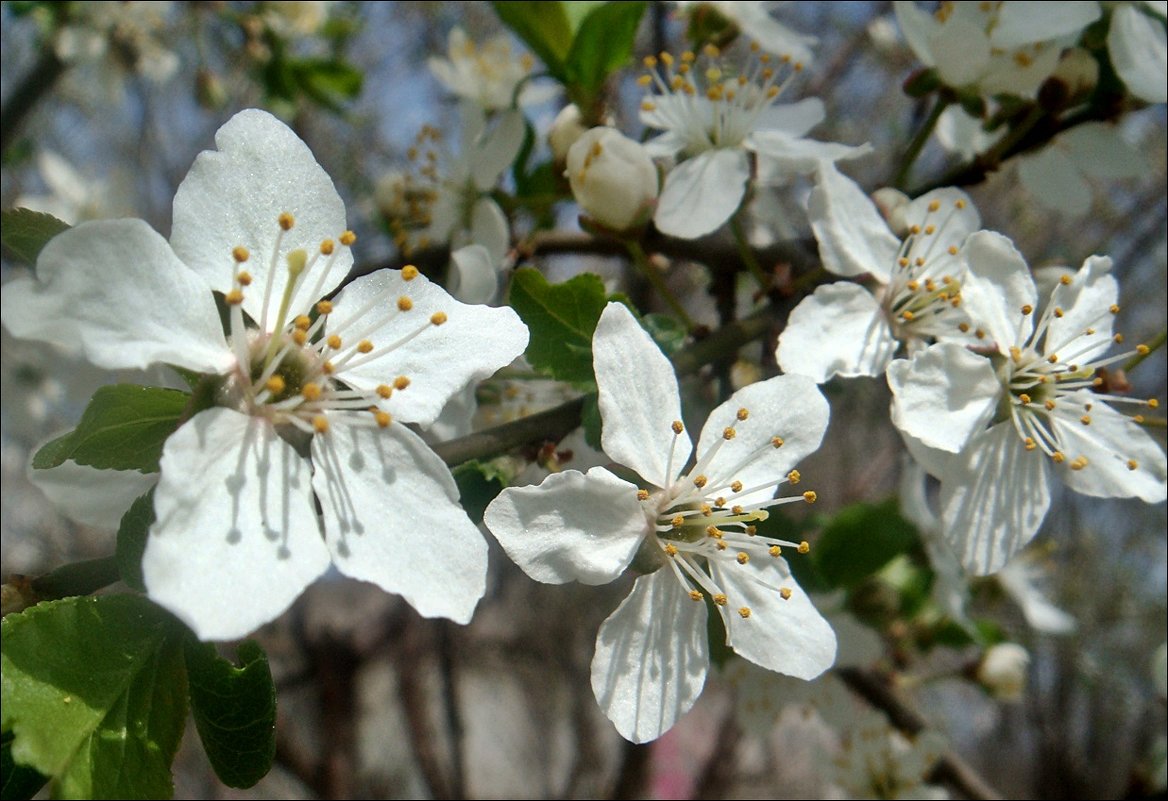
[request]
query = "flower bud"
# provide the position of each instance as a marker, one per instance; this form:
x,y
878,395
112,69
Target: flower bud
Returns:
x,y
1002,670
566,129
614,180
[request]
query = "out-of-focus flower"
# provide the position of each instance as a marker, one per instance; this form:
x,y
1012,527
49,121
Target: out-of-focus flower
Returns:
x,y
125,35
613,178
1022,579
693,528
753,19
876,761
567,127
487,74
1138,46
293,18
71,198
1057,176
1003,669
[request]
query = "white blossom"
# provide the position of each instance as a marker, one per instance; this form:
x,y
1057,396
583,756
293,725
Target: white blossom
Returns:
x,y
612,178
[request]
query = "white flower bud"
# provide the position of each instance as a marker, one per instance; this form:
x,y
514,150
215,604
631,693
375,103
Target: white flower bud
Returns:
x,y
614,180
566,128
1003,670
1079,70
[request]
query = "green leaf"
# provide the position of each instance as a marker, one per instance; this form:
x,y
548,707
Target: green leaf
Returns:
x,y
603,44
859,541
123,428
544,27
478,484
95,693
16,781
590,420
668,332
24,232
132,534
561,318
234,710
328,82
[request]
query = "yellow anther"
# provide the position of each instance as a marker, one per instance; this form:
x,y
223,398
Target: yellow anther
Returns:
x,y
706,510
720,501
694,595
902,261
1030,443
286,221
1065,280
1024,398
743,413
1079,463
275,385
959,204
438,318
677,426
326,247
953,250
1058,312
385,391
785,593
700,481
409,272
804,547
311,391
1118,339
711,51
777,442
713,532
930,229
1132,464
334,342
1057,457
810,496
737,510
919,261
728,433
743,557
1153,403
744,612
775,551
348,238
678,521
736,486
1052,358
794,477
720,599
1085,419
324,307
980,334
300,337
1027,309
1049,404
1143,350
404,303
913,286
934,205
642,495
234,297
320,424
648,105
914,229
907,315
751,531
243,277
364,346
963,328
645,80
1015,353
383,418
649,61
670,549
1113,308
1138,418
240,254
401,382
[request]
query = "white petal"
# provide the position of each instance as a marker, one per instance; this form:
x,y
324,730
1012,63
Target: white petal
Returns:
x,y
114,290
639,401
1021,578
475,279
234,196
853,237
1055,181
795,119
781,155
1100,150
1025,21
496,152
1109,443
839,329
651,658
701,194
962,51
391,517
236,538
935,462
1085,303
1139,52
955,219
918,27
943,395
489,228
790,636
473,343
997,285
572,527
90,496
787,406
994,499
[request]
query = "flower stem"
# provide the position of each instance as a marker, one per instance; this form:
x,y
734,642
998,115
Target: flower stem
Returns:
x,y
642,261
747,255
1155,344
918,141
24,97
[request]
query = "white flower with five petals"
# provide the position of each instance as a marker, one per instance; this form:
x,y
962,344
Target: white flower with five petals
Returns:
x,y
693,527
996,429
308,398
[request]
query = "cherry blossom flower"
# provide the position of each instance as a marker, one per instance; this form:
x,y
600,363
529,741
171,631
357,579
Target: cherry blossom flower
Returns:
x,y
997,429
306,398
612,178
1138,46
843,328
753,19
487,74
714,116
692,528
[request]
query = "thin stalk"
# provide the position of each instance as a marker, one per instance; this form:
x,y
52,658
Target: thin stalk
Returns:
x,y
1156,343
642,261
747,254
28,92
918,142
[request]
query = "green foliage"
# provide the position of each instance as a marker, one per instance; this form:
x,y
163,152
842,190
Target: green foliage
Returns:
x,y
24,232
95,695
132,534
590,420
860,540
544,27
668,332
561,318
123,428
478,484
234,710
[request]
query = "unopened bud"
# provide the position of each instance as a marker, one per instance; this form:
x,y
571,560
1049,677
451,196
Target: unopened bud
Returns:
x,y
613,178
1003,670
566,128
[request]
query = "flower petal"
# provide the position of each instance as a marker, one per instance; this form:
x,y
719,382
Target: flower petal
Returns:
x,y
787,636
495,152
962,50
1101,151
639,401
918,27
955,218
1055,181
1123,460
489,228
91,496
795,119
391,517
236,538
780,154
702,193
790,407
853,237
234,196
1085,303
994,499
651,658
1024,21
996,286
943,395
572,527
1139,52
115,291
839,329
438,360
473,273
